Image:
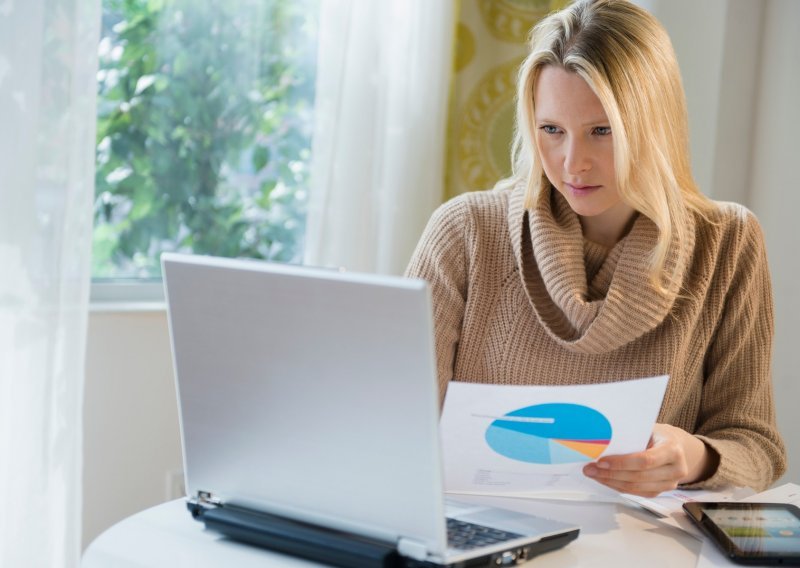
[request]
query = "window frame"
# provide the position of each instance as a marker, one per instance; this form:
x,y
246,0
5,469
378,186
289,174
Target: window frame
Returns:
x,y
113,291
127,294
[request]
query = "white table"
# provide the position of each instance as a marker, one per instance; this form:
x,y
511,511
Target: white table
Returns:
x,y
611,535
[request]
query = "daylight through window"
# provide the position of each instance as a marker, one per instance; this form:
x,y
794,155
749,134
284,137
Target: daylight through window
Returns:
x,y
204,131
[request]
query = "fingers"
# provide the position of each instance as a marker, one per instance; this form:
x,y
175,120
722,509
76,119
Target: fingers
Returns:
x,y
659,456
659,468
648,459
644,489
647,482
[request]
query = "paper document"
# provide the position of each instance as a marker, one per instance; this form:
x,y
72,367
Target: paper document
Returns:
x,y
671,502
788,493
533,441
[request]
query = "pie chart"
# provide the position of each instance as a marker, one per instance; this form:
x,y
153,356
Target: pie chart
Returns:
x,y
553,433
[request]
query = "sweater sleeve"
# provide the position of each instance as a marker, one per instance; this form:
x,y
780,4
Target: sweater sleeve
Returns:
x,y
737,413
441,260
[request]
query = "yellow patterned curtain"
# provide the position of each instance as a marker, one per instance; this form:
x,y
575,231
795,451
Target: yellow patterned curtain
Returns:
x,y
491,42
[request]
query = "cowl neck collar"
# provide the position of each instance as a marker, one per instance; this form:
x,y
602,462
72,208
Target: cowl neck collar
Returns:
x,y
549,248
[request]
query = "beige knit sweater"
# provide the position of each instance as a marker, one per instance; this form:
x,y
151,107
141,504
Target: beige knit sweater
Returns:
x,y
521,298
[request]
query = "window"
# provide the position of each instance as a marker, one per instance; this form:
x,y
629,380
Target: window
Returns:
x,y
204,131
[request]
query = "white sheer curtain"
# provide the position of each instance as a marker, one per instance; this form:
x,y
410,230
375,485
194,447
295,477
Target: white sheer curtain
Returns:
x,y
383,79
47,122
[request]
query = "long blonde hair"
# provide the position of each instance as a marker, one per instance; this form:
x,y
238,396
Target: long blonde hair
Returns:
x,y
627,59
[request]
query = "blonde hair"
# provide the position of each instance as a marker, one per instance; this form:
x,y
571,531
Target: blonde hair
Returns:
x,y
626,58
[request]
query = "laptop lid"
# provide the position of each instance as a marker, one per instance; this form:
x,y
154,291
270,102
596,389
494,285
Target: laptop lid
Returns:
x,y
308,393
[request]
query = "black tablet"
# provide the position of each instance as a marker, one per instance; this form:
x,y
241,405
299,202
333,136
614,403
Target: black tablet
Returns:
x,y
751,533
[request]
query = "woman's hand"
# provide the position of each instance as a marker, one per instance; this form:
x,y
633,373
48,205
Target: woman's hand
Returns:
x,y
673,456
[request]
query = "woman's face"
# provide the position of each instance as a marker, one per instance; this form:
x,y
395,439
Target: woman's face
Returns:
x,y
573,137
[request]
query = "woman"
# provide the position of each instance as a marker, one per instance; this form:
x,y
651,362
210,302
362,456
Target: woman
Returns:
x,y
599,259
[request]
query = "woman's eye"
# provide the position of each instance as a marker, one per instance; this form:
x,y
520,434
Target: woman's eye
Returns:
x,y
602,130
549,129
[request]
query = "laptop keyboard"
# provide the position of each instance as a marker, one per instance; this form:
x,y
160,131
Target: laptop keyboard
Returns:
x,y
466,536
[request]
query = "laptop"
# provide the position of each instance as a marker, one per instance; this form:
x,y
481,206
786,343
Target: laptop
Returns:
x,y
309,418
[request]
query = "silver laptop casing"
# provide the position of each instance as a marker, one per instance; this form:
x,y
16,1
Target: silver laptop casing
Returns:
x,y
312,394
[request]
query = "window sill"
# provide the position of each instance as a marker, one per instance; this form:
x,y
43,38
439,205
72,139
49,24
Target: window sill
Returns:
x,y
127,307
127,296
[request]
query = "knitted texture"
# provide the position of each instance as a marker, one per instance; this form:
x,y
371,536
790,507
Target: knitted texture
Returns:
x,y
520,297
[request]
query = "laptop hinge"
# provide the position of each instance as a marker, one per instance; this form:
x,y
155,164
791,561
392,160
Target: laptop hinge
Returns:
x,y
201,502
412,549
207,499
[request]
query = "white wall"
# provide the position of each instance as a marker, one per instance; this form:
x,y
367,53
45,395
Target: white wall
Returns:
x,y
775,197
131,441
740,61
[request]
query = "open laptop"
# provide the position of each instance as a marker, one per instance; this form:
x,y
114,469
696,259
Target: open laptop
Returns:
x,y
309,418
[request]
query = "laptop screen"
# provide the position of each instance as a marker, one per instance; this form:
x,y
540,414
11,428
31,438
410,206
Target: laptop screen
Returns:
x,y
308,393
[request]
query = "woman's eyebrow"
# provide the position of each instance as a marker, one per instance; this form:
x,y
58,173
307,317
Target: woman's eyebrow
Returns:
x,y
594,122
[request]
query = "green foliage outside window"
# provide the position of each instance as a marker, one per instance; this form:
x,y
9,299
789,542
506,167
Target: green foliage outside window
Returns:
x,y
204,130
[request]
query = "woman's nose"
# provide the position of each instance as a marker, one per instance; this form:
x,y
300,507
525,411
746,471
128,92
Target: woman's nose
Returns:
x,y
576,158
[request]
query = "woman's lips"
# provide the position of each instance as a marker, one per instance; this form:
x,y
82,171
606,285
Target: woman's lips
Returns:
x,y
582,189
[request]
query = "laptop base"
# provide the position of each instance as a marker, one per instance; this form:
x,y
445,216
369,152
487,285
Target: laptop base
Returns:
x,y
338,548
304,540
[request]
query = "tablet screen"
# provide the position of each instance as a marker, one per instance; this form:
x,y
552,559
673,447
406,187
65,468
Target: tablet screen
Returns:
x,y
759,529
